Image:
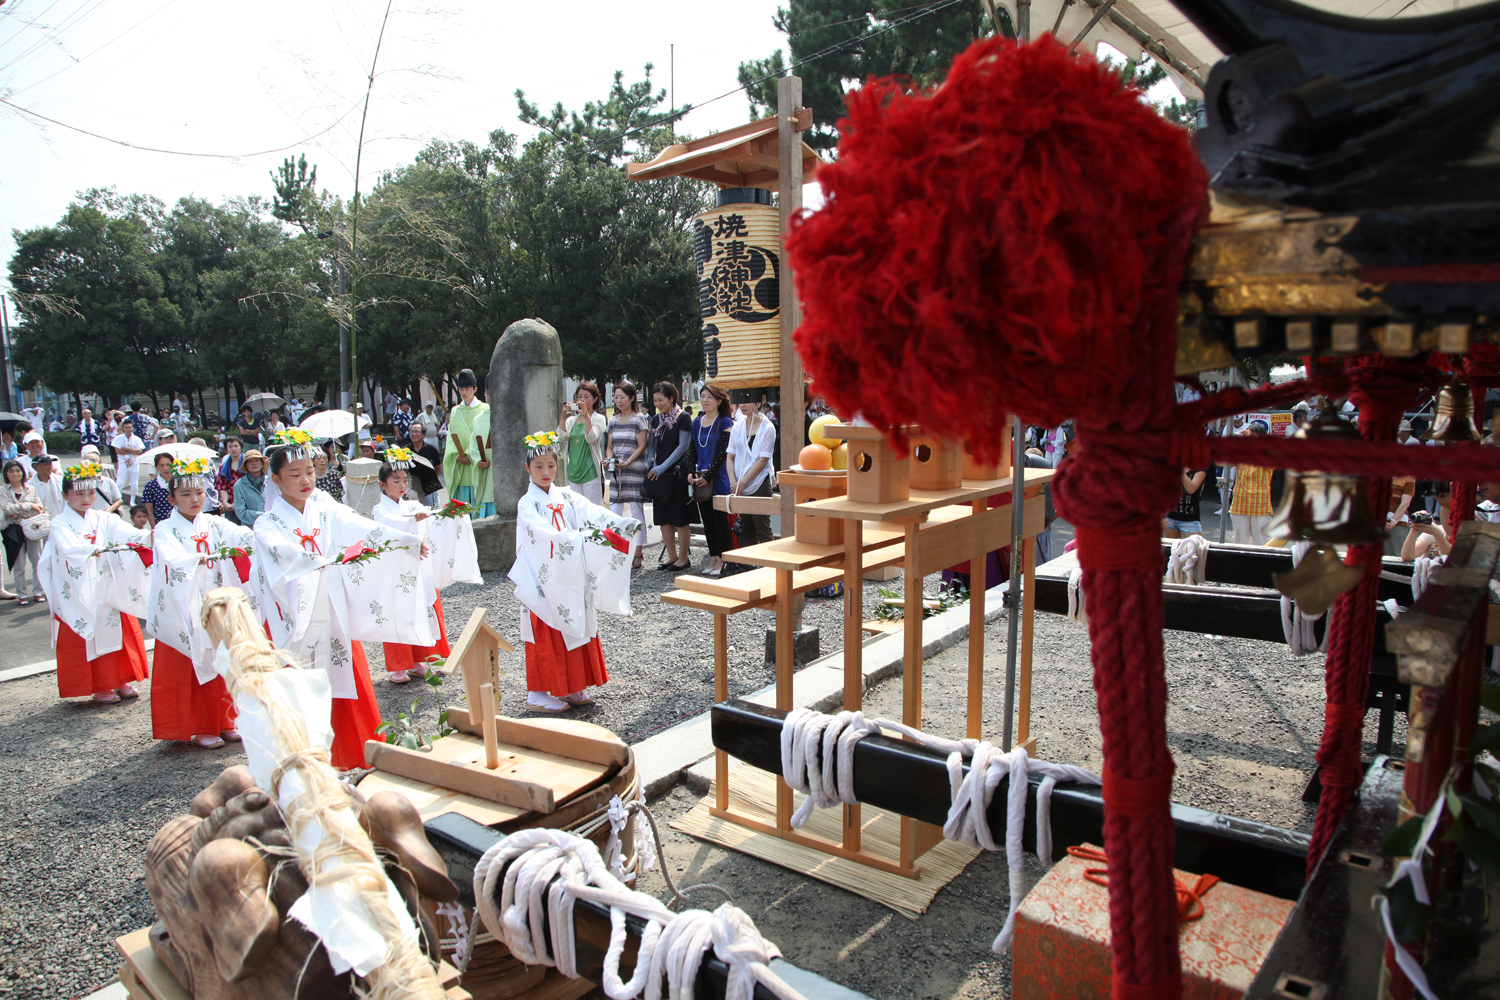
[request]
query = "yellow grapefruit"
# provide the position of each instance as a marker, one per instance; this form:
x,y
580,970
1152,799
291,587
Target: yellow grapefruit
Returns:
x,y
815,432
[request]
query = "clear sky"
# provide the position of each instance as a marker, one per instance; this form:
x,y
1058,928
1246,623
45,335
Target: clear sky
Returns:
x,y
232,79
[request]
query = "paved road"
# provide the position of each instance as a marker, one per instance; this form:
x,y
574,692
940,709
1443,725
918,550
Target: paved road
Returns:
x,y
25,634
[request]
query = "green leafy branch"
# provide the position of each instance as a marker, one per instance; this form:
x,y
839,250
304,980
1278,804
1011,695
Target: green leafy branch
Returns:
x,y
890,605
405,730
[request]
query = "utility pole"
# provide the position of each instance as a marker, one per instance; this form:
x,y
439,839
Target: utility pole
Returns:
x,y
5,351
343,345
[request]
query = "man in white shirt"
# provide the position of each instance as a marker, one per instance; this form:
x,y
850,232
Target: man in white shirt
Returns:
x,y
32,446
128,450
36,415
48,486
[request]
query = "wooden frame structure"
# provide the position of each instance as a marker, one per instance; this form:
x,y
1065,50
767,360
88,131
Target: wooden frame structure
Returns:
x,y
921,531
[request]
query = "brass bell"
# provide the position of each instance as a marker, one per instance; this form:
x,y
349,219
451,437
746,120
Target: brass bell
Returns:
x,y
1453,414
1328,507
1318,580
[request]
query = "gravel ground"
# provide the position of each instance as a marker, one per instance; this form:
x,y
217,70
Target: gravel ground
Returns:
x,y
86,787
1244,722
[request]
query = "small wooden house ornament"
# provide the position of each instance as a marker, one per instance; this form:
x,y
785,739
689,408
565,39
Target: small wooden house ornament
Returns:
x,y
1001,467
810,486
936,464
477,655
876,473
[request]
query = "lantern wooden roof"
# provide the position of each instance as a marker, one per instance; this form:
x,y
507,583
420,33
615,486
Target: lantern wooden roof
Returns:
x,y
744,156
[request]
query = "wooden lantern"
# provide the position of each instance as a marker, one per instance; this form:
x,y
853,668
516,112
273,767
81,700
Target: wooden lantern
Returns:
x,y
738,249
936,464
876,473
1001,467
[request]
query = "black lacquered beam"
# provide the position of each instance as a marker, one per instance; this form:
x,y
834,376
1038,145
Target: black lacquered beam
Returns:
x,y
462,842
904,778
1253,566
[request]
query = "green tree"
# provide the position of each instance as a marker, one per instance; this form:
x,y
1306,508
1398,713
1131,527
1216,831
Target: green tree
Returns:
x,y
96,311
861,39
607,261
1145,73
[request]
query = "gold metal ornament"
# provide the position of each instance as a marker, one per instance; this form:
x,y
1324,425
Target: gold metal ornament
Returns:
x,y
1318,581
1453,414
1331,508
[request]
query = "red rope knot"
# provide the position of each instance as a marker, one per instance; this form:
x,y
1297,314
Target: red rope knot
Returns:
x,y
1189,898
1349,717
91,537
1133,545
1190,446
309,542
202,546
1138,798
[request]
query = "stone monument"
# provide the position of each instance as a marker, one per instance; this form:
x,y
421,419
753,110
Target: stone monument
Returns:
x,y
525,389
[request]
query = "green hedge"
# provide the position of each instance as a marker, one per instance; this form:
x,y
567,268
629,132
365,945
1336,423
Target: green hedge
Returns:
x,y
62,441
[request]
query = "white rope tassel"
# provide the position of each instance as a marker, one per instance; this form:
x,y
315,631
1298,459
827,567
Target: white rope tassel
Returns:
x,y
1189,560
817,757
1076,610
672,945
1301,636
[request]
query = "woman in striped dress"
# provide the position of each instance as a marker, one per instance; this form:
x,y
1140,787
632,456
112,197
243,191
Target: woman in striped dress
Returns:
x,y
627,451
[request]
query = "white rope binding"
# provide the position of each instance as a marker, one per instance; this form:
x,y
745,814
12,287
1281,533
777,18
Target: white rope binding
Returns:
x,y
673,943
817,758
1189,560
1298,628
1076,611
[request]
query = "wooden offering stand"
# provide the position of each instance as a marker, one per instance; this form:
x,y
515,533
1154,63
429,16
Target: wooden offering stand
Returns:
x,y
887,510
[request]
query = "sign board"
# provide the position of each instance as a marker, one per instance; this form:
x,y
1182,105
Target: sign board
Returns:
x,y
738,252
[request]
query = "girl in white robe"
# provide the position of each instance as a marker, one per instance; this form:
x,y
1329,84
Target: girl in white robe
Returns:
x,y
572,561
100,651
393,510
318,607
188,699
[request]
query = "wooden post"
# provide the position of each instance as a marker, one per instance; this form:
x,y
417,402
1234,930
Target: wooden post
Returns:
x,y
785,662
854,679
721,694
978,567
789,200
487,725
911,670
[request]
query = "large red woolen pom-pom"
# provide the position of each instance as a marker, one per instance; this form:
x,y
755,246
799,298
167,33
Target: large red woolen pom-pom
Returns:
x,y
985,245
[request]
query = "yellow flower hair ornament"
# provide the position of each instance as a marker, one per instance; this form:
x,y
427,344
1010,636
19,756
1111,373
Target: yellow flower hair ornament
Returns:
x,y
399,458
191,472
83,475
539,443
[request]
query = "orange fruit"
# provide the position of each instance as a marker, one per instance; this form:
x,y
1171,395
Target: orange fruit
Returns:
x,y
815,458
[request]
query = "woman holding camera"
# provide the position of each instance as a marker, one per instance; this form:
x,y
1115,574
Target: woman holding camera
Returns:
x,y
582,426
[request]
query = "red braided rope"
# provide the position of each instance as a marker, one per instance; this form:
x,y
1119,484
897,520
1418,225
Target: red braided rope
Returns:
x,y
1383,389
1128,440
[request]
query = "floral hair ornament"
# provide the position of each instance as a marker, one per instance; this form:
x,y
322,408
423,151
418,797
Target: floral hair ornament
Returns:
x,y
540,443
191,472
296,442
399,458
83,476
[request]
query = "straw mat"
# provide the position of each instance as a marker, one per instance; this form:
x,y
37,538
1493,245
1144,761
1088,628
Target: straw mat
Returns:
x,y
752,792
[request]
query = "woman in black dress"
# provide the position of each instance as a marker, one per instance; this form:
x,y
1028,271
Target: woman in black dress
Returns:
x,y
671,433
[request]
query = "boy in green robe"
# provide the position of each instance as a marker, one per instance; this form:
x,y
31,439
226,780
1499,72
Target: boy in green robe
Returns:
x,y
466,459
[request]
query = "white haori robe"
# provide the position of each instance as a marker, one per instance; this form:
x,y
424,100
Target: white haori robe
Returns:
x,y
455,555
180,579
316,606
402,515
562,574
83,592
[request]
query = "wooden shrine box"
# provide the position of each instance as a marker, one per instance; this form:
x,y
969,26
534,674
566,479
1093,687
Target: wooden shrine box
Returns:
x,y
936,464
1001,467
1061,949
816,485
876,473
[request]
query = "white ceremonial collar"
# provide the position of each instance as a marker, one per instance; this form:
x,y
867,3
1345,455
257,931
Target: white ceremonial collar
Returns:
x,y
473,402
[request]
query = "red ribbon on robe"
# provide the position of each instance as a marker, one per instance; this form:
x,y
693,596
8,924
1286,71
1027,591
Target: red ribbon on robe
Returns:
x,y
309,542
557,522
202,546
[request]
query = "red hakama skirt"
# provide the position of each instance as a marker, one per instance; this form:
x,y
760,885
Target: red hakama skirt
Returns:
x,y
78,676
355,719
181,707
400,656
552,667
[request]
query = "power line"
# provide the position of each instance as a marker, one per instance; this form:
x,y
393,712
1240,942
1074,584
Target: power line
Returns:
x,y
80,59
608,140
178,152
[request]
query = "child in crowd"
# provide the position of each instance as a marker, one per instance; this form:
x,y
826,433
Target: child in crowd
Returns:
x,y
571,561
394,511
140,516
